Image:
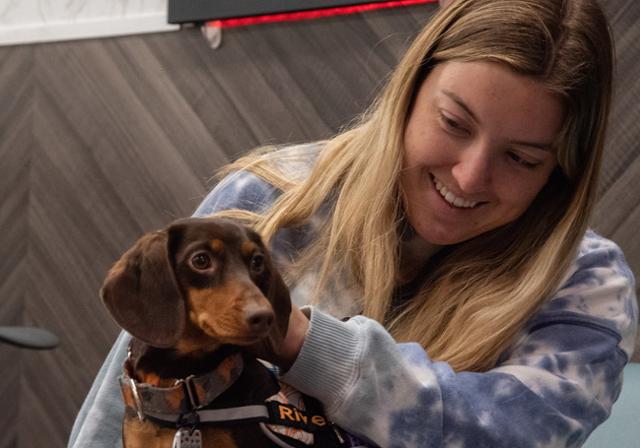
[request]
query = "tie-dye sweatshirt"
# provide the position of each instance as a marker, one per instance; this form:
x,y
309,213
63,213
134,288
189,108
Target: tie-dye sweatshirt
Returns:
x,y
554,385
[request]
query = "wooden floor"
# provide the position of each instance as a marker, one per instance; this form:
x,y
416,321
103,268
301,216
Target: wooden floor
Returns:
x,y
103,140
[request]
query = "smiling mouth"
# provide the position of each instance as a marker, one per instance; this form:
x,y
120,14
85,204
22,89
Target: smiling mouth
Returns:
x,y
451,198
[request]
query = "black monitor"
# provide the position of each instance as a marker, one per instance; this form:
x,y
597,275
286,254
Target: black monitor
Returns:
x,y
196,11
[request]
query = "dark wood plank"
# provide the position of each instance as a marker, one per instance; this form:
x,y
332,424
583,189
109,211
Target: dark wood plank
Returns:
x,y
617,214
16,113
622,142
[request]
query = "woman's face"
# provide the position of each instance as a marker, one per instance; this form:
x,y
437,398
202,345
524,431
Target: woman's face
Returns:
x,y
478,149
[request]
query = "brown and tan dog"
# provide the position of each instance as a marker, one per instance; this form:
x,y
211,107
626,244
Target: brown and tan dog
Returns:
x,y
192,295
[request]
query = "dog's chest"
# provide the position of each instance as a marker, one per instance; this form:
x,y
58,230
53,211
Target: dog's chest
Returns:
x,y
144,434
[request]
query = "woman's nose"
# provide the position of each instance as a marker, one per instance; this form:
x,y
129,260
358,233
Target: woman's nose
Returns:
x,y
473,169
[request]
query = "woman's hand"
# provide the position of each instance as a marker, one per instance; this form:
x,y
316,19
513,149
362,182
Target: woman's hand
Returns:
x,y
284,354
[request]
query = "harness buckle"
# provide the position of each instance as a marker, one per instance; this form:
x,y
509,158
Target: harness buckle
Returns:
x,y
136,399
190,392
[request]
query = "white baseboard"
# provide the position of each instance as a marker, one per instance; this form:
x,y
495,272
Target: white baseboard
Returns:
x,y
85,29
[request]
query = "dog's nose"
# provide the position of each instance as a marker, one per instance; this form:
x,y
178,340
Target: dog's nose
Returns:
x,y
259,320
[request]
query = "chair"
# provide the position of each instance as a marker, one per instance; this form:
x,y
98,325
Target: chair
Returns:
x,y
28,337
622,429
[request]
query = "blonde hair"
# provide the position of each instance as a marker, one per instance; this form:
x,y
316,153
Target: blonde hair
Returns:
x,y
479,293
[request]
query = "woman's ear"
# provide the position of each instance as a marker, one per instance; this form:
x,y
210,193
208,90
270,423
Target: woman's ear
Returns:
x,y
142,295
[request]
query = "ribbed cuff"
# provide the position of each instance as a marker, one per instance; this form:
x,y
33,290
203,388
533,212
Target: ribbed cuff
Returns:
x,y
326,366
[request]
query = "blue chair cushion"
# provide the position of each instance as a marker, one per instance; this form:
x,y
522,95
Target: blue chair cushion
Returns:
x,y
622,428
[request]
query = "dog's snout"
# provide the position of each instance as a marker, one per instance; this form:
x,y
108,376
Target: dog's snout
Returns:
x,y
259,319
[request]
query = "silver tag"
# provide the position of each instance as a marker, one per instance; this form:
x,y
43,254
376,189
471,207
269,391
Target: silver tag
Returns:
x,y
186,438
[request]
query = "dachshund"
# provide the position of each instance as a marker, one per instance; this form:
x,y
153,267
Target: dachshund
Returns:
x,y
194,296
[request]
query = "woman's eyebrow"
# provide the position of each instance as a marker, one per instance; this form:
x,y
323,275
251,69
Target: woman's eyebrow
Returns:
x,y
456,99
541,146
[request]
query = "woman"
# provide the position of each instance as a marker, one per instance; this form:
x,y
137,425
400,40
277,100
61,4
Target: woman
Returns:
x,y
452,223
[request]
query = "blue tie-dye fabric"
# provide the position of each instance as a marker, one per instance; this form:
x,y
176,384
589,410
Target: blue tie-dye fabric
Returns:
x,y
551,389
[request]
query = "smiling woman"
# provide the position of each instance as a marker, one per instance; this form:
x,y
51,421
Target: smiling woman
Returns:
x,y
477,149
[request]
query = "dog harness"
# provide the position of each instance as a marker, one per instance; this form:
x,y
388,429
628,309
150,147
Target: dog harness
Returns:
x,y
288,418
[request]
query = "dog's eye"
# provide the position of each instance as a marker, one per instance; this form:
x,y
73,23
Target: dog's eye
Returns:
x,y
200,261
257,264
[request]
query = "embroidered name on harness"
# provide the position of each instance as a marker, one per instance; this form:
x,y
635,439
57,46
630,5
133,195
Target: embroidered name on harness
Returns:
x,y
288,415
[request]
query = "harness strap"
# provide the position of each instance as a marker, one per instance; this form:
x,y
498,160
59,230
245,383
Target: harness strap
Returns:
x,y
271,413
238,414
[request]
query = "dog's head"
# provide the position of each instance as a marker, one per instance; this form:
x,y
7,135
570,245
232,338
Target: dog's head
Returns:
x,y
200,281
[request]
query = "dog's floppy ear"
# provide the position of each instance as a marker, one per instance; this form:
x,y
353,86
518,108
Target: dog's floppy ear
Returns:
x,y
142,295
278,294
276,291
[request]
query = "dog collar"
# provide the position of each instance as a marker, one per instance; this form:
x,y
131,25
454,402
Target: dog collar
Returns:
x,y
186,395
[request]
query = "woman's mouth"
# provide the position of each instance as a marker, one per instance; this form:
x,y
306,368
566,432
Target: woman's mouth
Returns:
x,y
451,198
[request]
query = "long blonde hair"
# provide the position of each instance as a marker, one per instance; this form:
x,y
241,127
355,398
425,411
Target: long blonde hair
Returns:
x,y
479,293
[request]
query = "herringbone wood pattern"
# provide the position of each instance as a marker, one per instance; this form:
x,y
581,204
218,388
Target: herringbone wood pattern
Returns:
x,y
16,116
103,140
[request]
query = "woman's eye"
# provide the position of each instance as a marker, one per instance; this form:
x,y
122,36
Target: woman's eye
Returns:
x,y
525,163
452,125
201,261
257,264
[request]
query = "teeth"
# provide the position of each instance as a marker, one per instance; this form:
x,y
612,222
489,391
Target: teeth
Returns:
x,y
451,198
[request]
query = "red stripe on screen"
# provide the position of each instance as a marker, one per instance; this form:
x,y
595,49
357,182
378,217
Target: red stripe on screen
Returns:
x,y
313,14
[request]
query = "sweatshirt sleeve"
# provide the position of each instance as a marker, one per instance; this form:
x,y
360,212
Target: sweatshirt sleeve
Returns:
x,y
99,421
551,389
